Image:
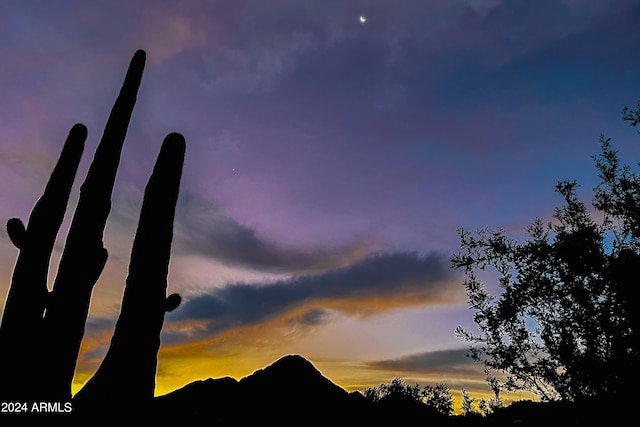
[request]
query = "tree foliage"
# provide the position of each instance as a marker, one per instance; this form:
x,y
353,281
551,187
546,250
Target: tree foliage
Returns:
x,y
436,396
467,404
439,397
562,325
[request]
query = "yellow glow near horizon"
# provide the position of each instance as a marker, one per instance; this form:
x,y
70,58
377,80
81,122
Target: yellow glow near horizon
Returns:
x,y
237,354
240,351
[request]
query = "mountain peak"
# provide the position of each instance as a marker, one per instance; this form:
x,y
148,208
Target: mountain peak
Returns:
x,y
281,391
294,359
290,375
291,364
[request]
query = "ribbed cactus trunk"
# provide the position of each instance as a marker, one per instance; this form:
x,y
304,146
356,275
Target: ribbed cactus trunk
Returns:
x,y
41,331
128,371
84,255
22,337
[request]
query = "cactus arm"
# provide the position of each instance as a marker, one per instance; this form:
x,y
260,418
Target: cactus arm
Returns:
x,y
84,255
27,297
127,372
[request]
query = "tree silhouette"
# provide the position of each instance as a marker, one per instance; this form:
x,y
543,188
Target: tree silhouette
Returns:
x,y
41,330
439,397
467,404
435,396
565,324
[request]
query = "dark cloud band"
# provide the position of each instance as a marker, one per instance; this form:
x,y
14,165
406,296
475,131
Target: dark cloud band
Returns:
x,y
452,361
409,277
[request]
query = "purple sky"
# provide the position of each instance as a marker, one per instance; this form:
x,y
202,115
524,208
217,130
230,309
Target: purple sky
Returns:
x,y
329,161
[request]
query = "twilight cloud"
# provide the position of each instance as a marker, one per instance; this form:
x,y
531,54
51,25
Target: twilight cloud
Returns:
x,y
205,228
452,361
372,284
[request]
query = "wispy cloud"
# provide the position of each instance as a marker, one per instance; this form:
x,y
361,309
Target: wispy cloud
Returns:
x,y
371,285
449,362
204,227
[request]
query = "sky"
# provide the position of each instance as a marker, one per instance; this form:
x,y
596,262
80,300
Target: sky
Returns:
x,y
334,148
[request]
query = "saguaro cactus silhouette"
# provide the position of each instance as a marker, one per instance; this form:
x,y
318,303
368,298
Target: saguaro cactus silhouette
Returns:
x,y
41,330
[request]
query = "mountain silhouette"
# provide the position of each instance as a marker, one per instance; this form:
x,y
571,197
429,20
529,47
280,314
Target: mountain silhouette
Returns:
x,y
292,379
290,391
